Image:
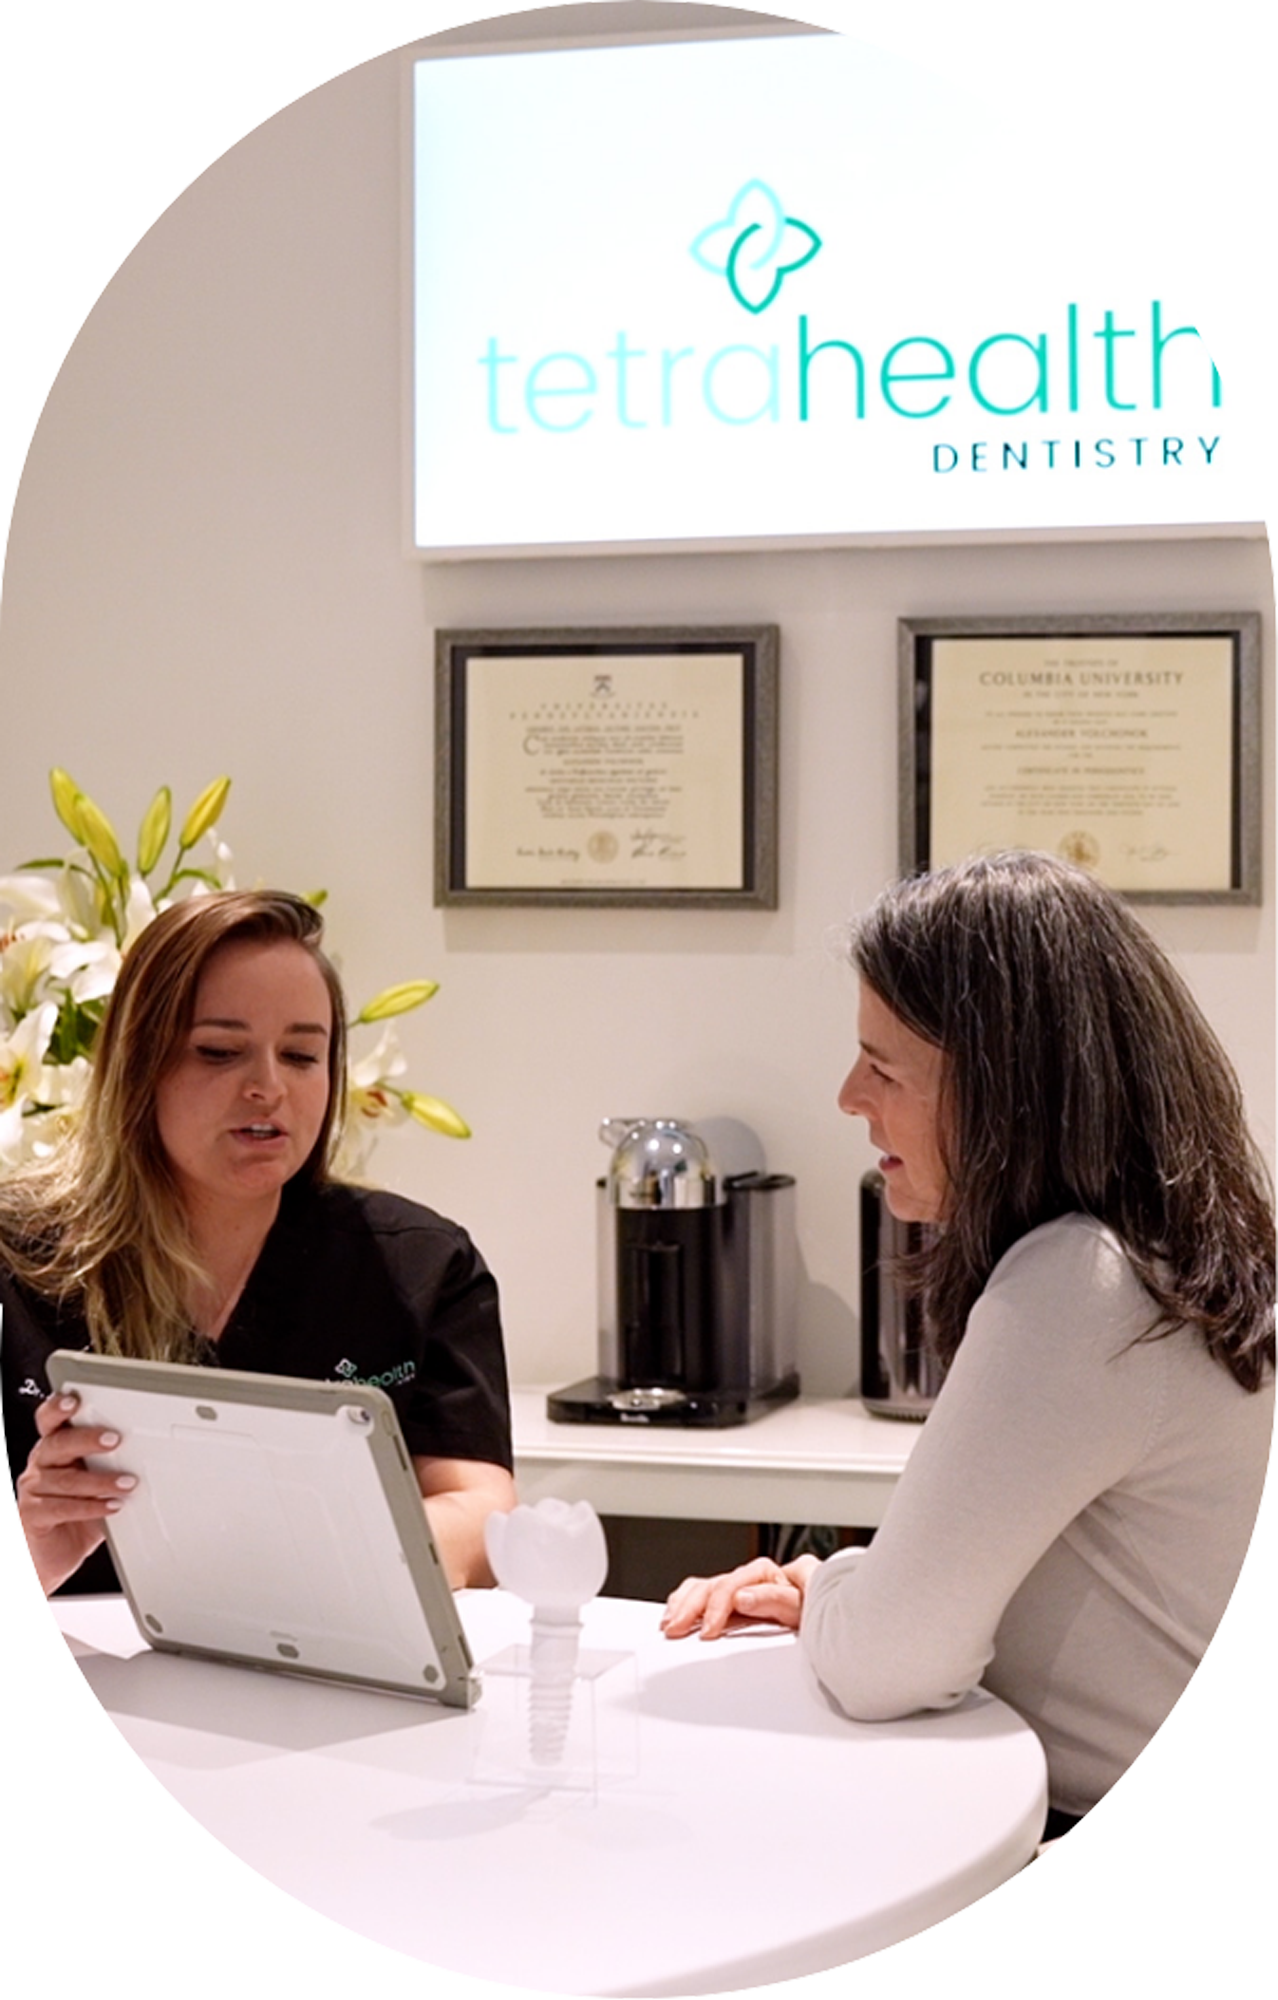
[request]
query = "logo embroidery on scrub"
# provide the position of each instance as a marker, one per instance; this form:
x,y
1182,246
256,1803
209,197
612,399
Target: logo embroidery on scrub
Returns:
x,y
403,1371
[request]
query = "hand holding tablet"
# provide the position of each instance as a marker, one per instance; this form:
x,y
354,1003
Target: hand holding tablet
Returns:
x,y
276,1523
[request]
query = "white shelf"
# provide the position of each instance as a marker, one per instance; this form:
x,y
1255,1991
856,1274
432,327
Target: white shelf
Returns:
x,y
811,1461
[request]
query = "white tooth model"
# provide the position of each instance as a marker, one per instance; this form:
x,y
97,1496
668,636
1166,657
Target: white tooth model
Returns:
x,y
554,1556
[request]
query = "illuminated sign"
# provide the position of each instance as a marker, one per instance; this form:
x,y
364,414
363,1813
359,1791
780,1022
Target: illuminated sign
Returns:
x,y
773,289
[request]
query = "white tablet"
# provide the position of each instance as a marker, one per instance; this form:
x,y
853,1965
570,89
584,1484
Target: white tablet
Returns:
x,y
276,1523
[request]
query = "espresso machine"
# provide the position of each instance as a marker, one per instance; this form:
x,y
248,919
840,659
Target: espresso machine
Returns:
x,y
697,1284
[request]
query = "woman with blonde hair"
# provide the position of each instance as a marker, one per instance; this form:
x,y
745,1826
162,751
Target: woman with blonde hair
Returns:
x,y
192,1217
1099,1283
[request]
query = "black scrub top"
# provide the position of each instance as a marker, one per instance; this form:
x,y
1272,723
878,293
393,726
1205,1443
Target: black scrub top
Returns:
x,y
352,1285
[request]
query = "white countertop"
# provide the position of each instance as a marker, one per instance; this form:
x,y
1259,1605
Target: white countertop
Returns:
x,y
810,1461
747,1833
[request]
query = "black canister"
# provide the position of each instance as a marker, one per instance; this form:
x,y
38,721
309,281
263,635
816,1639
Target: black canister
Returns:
x,y
900,1374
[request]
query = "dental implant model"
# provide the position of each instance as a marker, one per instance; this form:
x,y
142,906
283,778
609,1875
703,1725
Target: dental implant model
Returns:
x,y
554,1556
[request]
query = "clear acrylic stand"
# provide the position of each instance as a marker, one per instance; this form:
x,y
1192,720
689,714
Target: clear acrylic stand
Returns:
x,y
600,1745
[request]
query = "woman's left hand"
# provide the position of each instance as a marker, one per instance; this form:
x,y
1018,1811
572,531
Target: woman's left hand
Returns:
x,y
757,1591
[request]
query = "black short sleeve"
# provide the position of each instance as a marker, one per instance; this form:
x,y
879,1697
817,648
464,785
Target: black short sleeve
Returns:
x,y
31,1329
361,1286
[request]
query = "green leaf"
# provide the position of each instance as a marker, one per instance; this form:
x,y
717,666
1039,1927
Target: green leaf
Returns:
x,y
50,861
191,875
107,913
397,1000
154,830
63,1039
89,1017
75,1030
205,813
433,1111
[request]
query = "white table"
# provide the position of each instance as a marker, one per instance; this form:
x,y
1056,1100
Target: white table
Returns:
x,y
754,1836
808,1461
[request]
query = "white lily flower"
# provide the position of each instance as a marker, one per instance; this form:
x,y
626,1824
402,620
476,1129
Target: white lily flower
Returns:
x,y
29,898
78,904
60,1091
371,1104
375,1105
22,1056
74,955
223,860
385,1061
25,962
42,960
96,973
13,1136
350,1160
139,910
63,1085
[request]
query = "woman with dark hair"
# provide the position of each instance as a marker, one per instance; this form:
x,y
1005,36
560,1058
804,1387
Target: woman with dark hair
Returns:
x,y
1099,1283
191,1217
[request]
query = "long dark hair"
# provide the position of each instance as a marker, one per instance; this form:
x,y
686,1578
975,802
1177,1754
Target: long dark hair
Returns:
x,y
1079,1076
101,1226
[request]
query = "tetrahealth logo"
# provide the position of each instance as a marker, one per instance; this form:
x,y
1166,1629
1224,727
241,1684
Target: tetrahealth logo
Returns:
x,y
755,246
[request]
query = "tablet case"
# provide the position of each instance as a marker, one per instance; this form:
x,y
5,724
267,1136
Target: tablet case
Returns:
x,y
276,1523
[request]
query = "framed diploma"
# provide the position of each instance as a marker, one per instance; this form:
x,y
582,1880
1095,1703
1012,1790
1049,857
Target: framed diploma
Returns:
x,y
606,767
1129,745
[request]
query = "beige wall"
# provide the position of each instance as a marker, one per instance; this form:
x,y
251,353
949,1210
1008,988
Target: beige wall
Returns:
x,y
206,574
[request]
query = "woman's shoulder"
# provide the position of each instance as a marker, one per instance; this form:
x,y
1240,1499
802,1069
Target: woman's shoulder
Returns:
x,y
345,1208
1076,1274
1072,1270
1072,1247
28,1266
30,1228
382,1208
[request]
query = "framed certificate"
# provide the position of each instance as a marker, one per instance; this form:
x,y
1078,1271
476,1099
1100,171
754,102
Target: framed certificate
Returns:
x,y
1129,745
606,767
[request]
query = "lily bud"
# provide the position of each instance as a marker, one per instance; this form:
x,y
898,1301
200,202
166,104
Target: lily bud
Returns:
x,y
98,835
433,1111
66,801
154,830
205,813
553,1554
397,1000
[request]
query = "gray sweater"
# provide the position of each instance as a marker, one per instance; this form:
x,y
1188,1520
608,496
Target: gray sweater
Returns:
x,y
1070,1524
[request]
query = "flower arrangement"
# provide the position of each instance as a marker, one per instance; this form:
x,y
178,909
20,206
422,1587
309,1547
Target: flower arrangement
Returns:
x,y
65,924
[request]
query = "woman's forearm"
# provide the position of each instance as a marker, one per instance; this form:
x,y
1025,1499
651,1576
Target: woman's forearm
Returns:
x,y
459,1495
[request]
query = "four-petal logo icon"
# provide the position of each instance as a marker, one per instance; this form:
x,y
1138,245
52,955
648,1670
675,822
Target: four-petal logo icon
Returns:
x,y
756,246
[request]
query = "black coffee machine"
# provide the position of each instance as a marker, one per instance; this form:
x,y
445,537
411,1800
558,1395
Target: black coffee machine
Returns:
x,y
696,1286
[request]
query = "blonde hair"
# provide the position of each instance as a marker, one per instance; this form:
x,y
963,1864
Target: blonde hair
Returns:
x,y
101,1227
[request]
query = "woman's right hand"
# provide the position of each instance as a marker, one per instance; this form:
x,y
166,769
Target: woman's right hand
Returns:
x,y
760,1590
62,1503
